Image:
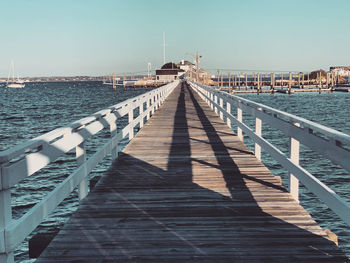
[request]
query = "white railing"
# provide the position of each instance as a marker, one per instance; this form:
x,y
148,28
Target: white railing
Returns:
x,y
24,160
330,143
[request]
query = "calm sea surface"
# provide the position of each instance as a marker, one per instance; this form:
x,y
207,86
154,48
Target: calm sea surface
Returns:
x,y
39,108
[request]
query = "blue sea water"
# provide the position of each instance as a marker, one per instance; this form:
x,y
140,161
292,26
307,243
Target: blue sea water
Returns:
x,y
42,107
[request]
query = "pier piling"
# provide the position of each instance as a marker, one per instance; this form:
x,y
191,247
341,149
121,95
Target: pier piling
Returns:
x,y
114,82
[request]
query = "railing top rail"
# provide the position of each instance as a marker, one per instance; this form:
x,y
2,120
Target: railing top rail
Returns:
x,y
313,126
16,151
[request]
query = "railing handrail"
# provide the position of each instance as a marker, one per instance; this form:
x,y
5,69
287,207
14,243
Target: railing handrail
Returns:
x,y
327,136
299,130
19,149
27,158
326,131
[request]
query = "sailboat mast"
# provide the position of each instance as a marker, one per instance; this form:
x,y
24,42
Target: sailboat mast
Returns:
x,y
13,71
8,76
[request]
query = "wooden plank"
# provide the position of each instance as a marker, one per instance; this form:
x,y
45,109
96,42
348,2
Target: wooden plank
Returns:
x,y
186,189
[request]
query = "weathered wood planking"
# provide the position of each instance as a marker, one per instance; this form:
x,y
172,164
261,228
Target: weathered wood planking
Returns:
x,y
186,189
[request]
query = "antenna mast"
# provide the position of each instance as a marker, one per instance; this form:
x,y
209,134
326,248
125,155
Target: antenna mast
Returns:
x,y
163,48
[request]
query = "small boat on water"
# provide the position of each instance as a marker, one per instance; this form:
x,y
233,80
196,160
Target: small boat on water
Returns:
x,y
14,83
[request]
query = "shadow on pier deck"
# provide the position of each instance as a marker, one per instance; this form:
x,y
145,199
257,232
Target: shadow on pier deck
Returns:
x,y
186,189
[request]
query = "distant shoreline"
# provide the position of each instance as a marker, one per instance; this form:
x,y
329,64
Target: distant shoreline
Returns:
x,y
57,79
2,83
67,79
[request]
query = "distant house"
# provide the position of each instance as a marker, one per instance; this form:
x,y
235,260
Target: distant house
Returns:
x,y
186,65
169,72
340,70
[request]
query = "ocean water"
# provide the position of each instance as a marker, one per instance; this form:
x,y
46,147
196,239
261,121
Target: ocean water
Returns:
x,y
39,108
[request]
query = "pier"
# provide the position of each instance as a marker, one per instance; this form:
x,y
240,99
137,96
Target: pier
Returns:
x,y
184,189
272,82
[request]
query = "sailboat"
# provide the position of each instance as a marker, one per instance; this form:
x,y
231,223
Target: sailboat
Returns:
x,y
17,84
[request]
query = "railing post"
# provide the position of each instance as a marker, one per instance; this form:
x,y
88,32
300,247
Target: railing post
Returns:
x,y
221,101
152,104
157,101
229,80
141,113
113,131
147,107
212,101
258,125
228,109
290,83
294,157
5,220
83,188
239,118
215,106
161,98
301,85
131,118
281,80
239,81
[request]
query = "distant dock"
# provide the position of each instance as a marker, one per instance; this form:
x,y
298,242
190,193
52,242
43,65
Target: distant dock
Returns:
x,y
279,90
279,83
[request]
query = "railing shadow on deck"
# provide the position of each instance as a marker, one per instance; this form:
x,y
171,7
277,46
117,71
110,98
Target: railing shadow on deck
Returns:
x,y
218,145
152,220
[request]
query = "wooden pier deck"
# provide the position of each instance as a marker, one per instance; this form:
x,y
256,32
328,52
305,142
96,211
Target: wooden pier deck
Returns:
x,y
186,189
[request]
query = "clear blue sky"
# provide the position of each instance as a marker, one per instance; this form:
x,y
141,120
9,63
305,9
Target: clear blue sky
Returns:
x,y
86,37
